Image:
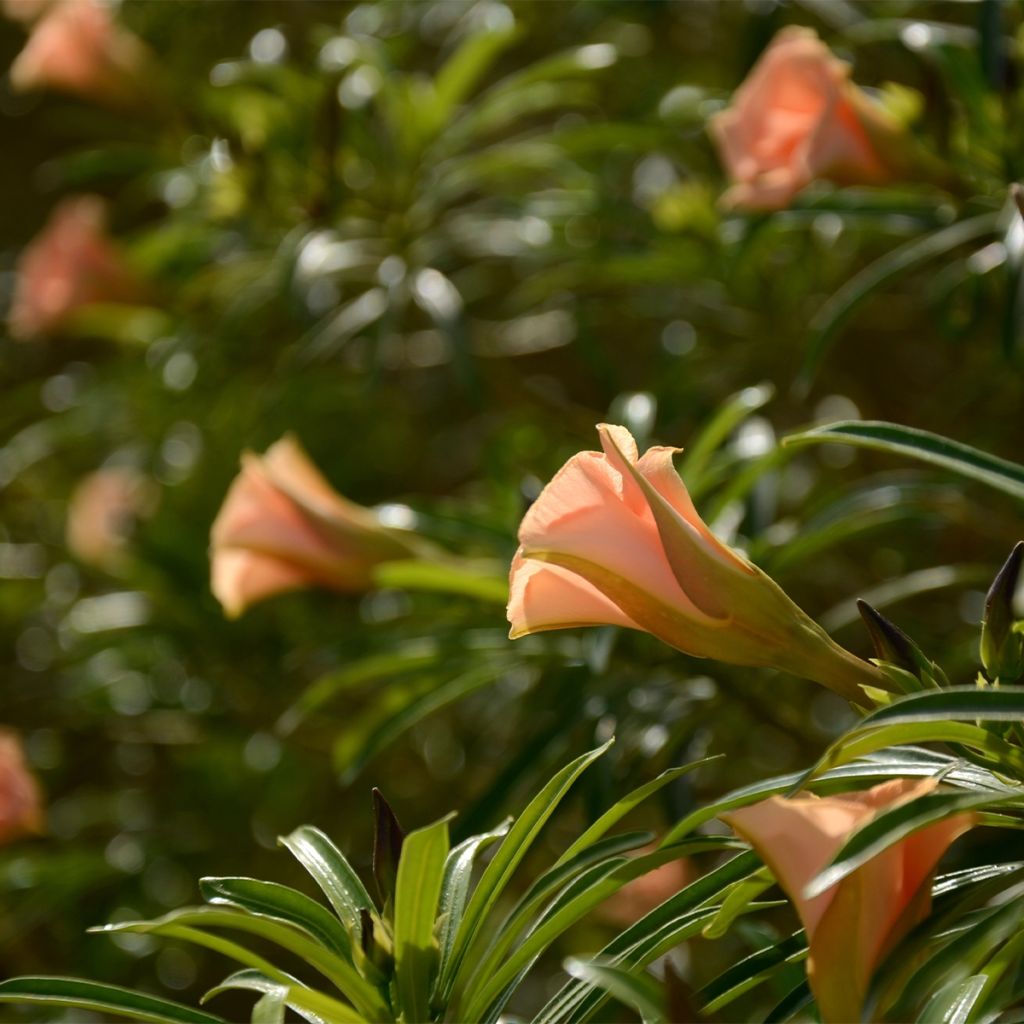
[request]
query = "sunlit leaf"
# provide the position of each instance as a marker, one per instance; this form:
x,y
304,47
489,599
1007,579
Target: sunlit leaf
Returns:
x,y
909,442
420,877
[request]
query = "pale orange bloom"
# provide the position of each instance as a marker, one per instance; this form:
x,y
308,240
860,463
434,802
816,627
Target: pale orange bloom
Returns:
x,y
614,539
282,526
853,925
102,512
72,263
796,118
78,48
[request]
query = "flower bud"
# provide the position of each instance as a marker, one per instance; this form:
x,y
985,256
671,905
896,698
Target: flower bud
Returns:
x,y
388,837
899,652
1002,645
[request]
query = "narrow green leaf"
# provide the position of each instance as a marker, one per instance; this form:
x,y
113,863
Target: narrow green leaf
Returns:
x,y
888,764
861,742
961,901
1004,964
639,991
269,1008
332,872
932,716
225,947
836,312
752,971
458,873
796,999
526,93
352,752
654,934
282,903
953,1003
730,414
620,809
512,850
412,657
364,996
867,507
923,446
109,1000
736,902
578,899
960,703
417,892
562,875
300,998
902,588
955,880
464,68
963,955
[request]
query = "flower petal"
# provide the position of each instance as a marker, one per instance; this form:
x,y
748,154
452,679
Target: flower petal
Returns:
x,y
240,578
582,513
545,596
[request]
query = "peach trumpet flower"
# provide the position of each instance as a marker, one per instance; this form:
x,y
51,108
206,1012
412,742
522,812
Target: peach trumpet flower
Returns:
x,y
282,527
796,118
852,925
614,539
72,263
78,48
642,895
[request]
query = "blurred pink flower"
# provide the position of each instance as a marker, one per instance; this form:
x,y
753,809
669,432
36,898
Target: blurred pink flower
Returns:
x,y
78,48
614,539
70,264
797,117
102,512
282,526
20,802
643,894
853,925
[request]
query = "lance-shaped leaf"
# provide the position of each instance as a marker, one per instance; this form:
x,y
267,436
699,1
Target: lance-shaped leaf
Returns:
x,y
314,1006
332,872
418,890
106,1000
933,449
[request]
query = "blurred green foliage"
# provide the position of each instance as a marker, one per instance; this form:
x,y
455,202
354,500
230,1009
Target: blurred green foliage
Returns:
x,y
439,241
